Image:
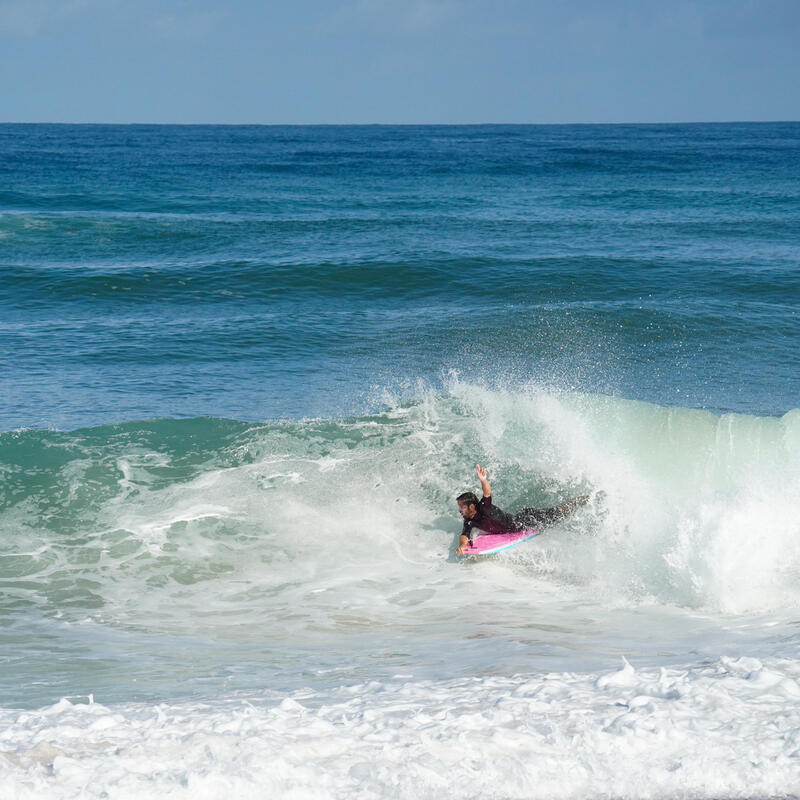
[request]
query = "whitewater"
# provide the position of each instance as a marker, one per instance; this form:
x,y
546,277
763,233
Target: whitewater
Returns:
x,y
292,589
246,371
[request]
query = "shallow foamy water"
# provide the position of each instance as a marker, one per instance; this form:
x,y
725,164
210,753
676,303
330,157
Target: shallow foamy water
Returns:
x,y
276,608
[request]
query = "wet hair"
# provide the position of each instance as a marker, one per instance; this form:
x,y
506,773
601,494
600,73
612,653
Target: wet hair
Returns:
x,y
468,498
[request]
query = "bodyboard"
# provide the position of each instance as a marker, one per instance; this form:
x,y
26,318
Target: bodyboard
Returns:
x,y
489,543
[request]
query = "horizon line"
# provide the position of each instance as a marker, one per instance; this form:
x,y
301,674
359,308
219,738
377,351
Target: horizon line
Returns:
x,y
399,124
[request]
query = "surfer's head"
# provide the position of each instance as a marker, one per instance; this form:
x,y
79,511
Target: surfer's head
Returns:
x,y
467,505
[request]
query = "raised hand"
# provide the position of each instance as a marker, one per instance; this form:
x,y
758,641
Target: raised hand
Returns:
x,y
487,490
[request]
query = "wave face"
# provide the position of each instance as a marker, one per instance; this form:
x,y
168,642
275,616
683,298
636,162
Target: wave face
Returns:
x,y
324,536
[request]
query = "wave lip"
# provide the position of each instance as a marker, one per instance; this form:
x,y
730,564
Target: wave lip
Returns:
x,y
698,510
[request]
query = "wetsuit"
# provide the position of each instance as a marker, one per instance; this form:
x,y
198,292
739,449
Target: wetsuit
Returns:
x,y
491,519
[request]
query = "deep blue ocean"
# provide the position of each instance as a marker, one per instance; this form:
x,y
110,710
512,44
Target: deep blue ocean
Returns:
x,y
264,272
244,372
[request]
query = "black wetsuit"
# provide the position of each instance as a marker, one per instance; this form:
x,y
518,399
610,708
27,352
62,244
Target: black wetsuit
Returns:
x,y
491,519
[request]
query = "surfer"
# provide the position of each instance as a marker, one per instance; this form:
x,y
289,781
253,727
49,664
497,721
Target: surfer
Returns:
x,y
484,516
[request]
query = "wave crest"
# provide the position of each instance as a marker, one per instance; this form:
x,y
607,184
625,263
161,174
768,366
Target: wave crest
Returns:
x,y
689,509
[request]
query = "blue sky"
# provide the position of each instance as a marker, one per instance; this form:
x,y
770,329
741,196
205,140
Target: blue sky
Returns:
x,y
399,61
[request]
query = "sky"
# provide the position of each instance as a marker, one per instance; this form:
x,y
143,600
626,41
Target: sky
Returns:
x,y
399,61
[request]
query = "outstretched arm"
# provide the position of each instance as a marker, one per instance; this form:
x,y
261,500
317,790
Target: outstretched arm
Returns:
x,y
487,490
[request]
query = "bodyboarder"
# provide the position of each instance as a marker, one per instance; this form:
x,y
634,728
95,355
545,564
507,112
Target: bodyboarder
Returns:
x,y
488,518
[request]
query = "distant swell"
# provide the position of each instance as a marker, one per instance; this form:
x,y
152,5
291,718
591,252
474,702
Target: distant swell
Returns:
x,y
203,279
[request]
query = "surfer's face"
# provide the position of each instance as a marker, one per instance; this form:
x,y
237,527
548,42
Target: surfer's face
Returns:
x,y
467,510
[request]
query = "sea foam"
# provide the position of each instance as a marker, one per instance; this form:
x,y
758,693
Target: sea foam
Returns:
x,y
728,729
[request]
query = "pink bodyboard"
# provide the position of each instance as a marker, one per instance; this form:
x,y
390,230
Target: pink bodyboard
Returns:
x,y
489,543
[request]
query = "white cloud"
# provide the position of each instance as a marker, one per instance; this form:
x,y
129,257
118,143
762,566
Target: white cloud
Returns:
x,y
176,20
403,16
188,24
748,18
28,18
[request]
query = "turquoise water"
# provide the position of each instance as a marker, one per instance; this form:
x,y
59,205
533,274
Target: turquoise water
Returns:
x,y
245,371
